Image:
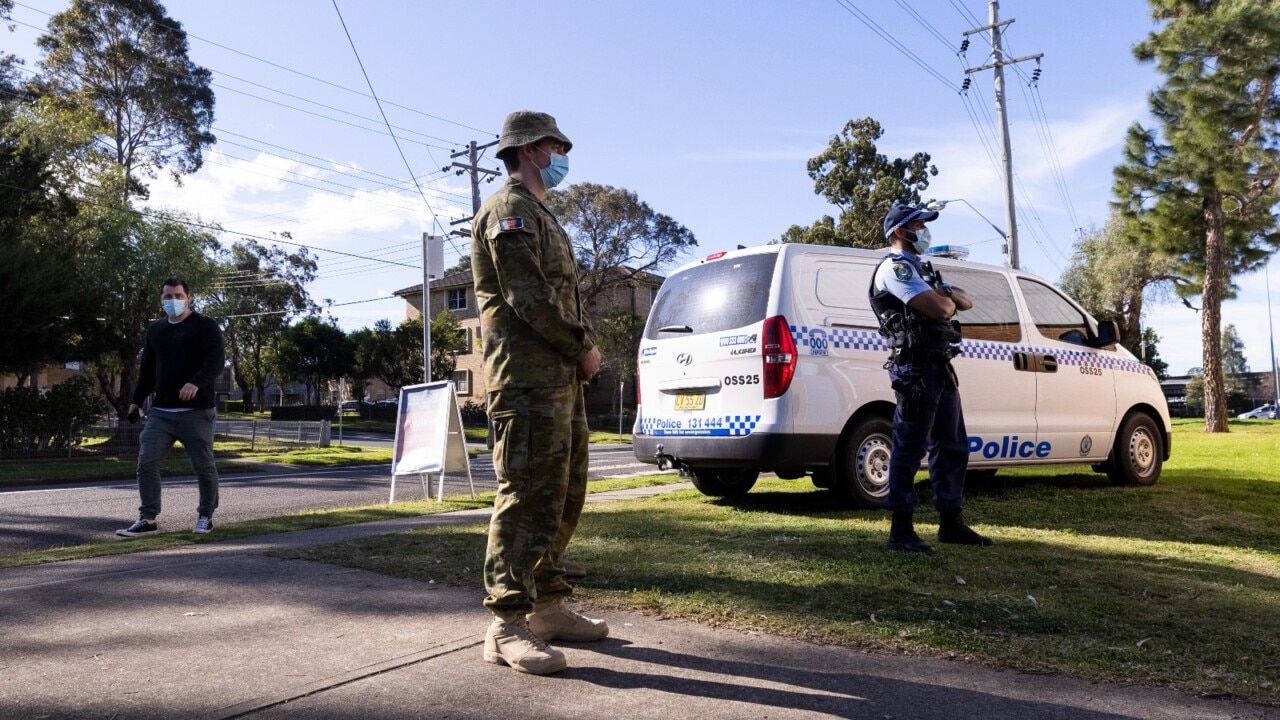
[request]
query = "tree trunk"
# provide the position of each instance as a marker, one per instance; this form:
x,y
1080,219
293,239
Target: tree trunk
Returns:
x,y
242,382
1215,397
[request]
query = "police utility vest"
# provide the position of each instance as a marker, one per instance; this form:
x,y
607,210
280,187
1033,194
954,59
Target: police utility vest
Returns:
x,y
911,334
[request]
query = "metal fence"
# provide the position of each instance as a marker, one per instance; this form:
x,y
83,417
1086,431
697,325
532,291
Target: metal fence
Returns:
x,y
113,437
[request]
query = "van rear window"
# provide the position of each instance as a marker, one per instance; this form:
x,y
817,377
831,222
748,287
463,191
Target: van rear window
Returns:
x,y
714,297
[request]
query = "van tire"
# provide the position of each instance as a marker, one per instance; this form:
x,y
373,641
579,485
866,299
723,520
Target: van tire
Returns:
x,y
1138,454
720,482
862,463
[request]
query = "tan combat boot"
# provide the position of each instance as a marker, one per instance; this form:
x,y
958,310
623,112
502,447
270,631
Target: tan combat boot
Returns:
x,y
553,620
573,569
510,642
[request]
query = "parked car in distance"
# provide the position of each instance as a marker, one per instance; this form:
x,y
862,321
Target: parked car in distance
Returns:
x,y
1265,412
350,407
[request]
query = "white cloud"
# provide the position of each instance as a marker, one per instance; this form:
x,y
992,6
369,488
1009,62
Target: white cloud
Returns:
x,y
262,196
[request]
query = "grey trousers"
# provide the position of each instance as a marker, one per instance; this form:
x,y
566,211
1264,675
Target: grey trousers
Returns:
x,y
194,429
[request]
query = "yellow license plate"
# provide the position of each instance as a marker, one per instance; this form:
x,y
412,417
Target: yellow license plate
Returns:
x,y
691,401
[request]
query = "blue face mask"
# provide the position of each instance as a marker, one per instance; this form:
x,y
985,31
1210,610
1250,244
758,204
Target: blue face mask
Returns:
x,y
174,308
555,172
922,241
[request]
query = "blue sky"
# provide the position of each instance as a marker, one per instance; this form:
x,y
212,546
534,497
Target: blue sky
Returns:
x,y
707,110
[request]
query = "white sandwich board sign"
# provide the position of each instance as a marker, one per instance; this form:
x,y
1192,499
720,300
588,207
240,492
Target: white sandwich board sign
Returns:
x,y
429,438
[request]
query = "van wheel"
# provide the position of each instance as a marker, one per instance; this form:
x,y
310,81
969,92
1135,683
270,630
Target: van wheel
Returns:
x,y
722,482
862,463
1138,454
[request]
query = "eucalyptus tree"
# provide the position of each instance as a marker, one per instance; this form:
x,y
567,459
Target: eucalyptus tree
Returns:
x,y
617,237
127,62
864,184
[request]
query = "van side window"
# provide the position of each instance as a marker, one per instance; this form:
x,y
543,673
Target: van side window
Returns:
x,y
1053,315
994,315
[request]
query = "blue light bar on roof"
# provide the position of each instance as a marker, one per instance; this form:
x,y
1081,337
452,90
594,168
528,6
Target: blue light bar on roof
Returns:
x,y
955,252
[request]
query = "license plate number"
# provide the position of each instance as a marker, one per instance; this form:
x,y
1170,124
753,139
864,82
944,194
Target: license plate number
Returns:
x,y
691,401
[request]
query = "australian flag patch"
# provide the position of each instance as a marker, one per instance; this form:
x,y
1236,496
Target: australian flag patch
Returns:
x,y
511,223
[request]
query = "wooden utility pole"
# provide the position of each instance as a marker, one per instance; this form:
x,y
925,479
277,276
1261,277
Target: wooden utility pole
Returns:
x,y
997,64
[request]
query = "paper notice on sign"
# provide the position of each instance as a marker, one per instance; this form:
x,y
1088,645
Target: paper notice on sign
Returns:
x,y
422,427
429,436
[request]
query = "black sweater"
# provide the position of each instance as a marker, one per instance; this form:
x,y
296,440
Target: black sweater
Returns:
x,y
179,353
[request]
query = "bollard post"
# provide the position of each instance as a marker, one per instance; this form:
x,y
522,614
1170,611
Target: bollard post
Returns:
x,y
253,434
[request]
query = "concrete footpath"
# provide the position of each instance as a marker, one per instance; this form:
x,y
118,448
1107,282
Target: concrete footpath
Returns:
x,y
223,631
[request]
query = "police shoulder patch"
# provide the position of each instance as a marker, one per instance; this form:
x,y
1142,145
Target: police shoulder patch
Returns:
x,y
510,223
902,271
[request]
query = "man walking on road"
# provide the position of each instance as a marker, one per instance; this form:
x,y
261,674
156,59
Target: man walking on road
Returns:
x,y
182,357
538,351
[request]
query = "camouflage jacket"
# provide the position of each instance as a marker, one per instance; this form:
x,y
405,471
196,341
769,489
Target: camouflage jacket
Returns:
x,y
526,282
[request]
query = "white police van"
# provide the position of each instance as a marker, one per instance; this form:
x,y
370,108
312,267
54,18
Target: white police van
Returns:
x,y
769,359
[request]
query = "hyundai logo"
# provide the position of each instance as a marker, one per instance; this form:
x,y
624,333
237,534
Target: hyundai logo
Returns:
x,y
684,358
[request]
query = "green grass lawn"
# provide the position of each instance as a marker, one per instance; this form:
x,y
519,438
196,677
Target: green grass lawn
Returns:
x,y
1176,584
230,457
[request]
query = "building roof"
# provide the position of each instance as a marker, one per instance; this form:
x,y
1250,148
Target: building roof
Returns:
x,y
458,279
465,278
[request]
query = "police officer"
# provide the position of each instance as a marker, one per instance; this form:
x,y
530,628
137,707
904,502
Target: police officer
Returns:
x,y
916,310
538,351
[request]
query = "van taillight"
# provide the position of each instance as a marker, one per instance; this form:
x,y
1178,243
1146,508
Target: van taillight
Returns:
x,y
779,353
637,376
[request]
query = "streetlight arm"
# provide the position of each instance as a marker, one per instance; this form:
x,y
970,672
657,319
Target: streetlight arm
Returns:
x,y
940,204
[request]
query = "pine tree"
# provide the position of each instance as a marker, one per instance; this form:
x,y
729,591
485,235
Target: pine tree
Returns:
x,y
1202,181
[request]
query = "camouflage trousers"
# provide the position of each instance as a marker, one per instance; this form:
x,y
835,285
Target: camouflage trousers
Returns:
x,y
540,456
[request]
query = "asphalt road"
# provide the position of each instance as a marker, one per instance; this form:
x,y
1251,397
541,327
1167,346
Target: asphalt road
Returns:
x,y
39,518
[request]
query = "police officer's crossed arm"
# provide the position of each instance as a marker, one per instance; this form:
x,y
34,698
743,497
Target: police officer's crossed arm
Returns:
x,y
941,304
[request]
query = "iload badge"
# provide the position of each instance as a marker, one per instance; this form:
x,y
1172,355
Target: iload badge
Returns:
x,y
902,271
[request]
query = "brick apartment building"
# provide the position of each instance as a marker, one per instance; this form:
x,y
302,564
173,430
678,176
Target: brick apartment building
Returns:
x,y
456,293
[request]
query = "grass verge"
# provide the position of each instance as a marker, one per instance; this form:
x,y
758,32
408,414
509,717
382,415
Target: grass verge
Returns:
x,y
306,520
1176,584
230,458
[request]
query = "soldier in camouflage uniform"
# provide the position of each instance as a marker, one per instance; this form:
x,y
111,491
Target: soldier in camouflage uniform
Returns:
x,y
538,351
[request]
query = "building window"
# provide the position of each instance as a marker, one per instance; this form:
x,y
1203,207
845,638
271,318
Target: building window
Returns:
x,y
456,299
462,381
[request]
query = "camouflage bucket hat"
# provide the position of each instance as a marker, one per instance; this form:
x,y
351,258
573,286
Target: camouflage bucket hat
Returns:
x,y
526,126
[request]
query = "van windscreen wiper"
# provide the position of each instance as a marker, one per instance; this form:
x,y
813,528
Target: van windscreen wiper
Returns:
x,y
676,328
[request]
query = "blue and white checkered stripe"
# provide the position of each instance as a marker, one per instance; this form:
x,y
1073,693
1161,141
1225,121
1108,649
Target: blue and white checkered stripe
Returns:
x,y
729,425
871,340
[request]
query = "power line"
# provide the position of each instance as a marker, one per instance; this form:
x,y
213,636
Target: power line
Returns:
x,y
965,14
326,117
394,139
286,69
218,229
396,185
862,17
925,24
320,104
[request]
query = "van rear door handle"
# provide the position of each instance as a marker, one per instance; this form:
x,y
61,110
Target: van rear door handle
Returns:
x,y
1020,362
1049,362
